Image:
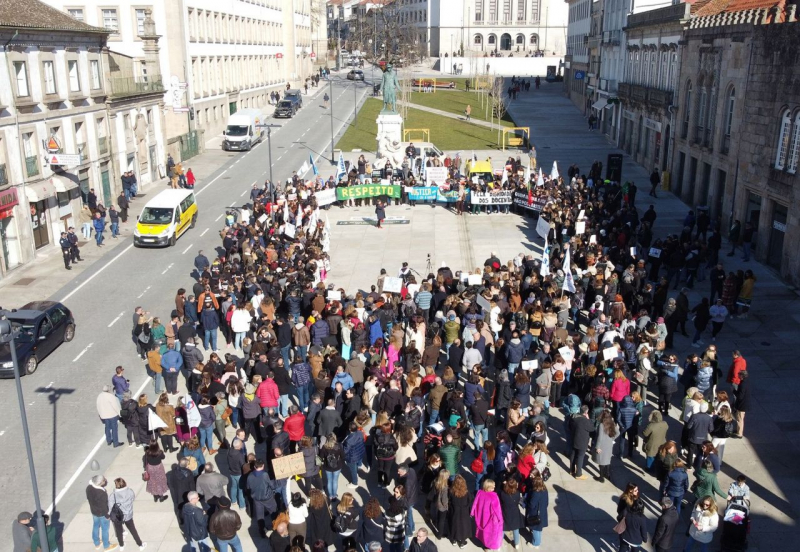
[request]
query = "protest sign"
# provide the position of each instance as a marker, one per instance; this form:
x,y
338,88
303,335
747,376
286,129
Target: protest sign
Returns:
x,y
334,295
542,227
593,238
447,197
393,285
419,193
610,353
289,465
655,253
325,197
483,303
567,354
474,279
502,197
580,227
367,191
289,230
435,175
530,365
521,200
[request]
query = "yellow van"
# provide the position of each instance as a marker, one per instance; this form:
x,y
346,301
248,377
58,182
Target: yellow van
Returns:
x,y
481,169
165,218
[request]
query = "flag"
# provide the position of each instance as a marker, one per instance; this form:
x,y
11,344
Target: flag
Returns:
x,y
286,211
540,179
504,179
569,283
545,270
312,221
154,421
313,165
528,176
340,169
554,171
530,196
298,221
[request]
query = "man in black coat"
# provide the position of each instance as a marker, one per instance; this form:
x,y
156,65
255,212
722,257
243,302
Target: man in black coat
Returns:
x,y
581,428
455,354
742,403
329,420
181,482
665,526
699,427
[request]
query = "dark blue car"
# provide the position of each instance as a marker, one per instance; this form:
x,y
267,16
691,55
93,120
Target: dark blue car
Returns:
x,y
43,326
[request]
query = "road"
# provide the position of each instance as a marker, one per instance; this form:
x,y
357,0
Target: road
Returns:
x,y
60,397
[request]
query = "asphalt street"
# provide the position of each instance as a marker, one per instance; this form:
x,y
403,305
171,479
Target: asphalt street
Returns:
x,y
67,435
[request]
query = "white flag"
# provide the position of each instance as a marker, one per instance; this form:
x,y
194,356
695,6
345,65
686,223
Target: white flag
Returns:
x,y
545,270
312,221
340,168
540,180
504,179
154,421
554,172
528,175
569,283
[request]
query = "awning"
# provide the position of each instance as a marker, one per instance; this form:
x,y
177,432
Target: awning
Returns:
x,y
63,184
39,191
600,104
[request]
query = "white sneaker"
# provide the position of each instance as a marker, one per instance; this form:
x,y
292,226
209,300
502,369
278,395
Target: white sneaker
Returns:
x,y
352,486
143,546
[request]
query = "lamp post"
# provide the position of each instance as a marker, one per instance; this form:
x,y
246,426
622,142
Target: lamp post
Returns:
x,y
330,88
7,335
355,101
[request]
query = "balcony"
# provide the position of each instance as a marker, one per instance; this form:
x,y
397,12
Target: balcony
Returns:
x,y
611,38
653,97
122,87
32,165
102,145
594,41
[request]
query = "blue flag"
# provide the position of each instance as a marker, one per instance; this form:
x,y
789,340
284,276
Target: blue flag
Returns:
x,y
313,165
340,170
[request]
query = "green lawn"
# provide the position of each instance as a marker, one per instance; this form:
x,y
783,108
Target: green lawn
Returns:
x,y
446,133
456,101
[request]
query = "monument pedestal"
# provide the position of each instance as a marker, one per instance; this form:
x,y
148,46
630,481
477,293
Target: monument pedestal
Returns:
x,y
390,128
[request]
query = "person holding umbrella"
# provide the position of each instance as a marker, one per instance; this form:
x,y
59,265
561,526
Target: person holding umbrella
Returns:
x,y
380,212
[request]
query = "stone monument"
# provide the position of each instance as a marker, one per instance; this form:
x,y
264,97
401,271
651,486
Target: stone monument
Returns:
x,y
390,123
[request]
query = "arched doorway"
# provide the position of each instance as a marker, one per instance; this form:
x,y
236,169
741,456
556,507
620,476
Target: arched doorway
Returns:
x,y
505,41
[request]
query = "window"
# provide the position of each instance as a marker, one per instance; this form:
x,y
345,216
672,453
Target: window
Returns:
x,y
48,74
76,13
708,139
794,149
140,17
94,66
687,105
783,141
726,135
21,72
74,77
701,116
110,19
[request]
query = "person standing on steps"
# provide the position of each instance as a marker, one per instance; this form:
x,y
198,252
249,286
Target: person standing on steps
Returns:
x,y
380,212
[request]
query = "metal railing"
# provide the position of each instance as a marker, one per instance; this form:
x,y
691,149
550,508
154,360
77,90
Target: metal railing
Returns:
x,y
132,86
32,165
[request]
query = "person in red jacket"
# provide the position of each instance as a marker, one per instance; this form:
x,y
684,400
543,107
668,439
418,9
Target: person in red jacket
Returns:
x,y
268,393
739,365
295,426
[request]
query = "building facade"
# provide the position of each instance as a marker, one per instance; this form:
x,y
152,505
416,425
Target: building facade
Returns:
x,y
646,93
52,92
576,62
593,49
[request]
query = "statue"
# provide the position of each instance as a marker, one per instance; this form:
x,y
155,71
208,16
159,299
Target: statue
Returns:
x,y
391,150
389,85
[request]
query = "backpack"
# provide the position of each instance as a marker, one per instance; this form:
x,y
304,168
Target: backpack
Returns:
x,y
333,460
572,405
521,320
384,449
340,523
558,376
477,465
192,465
125,414
731,428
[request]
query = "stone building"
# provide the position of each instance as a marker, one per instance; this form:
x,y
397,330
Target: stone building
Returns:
x,y
576,62
653,41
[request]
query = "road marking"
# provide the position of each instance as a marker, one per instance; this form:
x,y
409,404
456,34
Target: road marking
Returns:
x,y
244,192
253,184
142,293
93,276
170,266
203,189
2,433
204,232
89,346
187,249
86,460
219,217
117,318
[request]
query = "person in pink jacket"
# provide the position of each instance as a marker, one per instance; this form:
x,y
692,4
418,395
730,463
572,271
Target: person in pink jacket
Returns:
x,y
488,516
268,393
620,387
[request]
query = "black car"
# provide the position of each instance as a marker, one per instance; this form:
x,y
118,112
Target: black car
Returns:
x,y
43,326
285,108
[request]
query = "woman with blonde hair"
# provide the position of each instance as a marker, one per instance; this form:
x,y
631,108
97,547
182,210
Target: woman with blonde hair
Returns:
x,y
705,521
488,516
346,520
724,427
439,499
166,412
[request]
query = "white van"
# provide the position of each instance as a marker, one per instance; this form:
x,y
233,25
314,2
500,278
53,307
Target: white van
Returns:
x,y
243,132
165,218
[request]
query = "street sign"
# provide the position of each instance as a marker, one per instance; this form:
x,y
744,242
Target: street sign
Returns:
x,y
312,55
52,144
279,55
69,159
579,75
180,109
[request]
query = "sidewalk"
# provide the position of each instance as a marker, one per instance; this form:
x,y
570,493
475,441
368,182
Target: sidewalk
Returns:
x,y
450,115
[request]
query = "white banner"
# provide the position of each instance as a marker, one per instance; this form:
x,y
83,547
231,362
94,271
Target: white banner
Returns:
x,y
437,175
325,197
502,197
393,285
542,227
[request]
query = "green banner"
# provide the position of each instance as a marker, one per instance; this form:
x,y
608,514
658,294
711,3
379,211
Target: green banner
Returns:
x,y
366,191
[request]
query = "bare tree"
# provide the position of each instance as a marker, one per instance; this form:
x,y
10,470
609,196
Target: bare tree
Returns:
x,y
498,103
382,34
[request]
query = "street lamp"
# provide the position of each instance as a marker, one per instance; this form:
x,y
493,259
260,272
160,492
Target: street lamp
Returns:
x,y
8,335
330,88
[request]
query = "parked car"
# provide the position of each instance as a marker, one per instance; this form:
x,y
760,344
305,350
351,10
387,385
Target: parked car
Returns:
x,y
285,108
355,75
42,326
295,97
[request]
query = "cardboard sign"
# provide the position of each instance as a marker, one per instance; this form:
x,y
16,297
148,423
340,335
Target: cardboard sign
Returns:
x,y
334,295
437,175
580,227
610,353
593,238
542,227
262,218
474,279
581,214
655,253
289,230
530,365
483,303
288,466
567,354
392,285
325,197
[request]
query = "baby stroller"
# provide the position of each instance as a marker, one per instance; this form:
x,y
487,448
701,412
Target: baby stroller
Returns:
x,y
736,526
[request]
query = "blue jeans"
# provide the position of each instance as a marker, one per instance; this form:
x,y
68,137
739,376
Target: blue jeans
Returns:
x,y
237,493
210,335
301,351
237,339
676,500
100,525
353,466
283,405
332,483
115,229
515,534
649,461
158,383
304,396
481,435
195,544
434,417
111,427
235,544
410,527
285,355
235,417
537,537
206,435
690,545
98,237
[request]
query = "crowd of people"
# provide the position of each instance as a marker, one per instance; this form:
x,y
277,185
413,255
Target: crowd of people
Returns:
x,y
441,399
